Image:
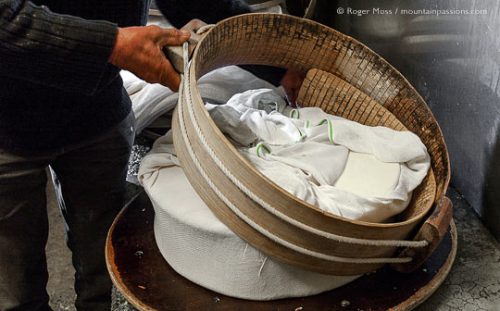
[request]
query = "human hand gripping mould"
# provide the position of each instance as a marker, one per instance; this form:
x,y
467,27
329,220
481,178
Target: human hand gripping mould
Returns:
x,y
139,50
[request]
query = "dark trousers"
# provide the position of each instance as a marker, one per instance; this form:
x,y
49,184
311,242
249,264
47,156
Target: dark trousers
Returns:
x,y
90,187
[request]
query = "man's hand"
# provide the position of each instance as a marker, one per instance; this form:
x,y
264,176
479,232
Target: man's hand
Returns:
x,y
139,50
291,82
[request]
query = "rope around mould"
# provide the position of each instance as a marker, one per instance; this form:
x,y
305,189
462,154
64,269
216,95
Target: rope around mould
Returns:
x,y
262,230
260,201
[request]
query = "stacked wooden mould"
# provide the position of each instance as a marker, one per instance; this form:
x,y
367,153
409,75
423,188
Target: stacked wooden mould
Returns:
x,y
345,78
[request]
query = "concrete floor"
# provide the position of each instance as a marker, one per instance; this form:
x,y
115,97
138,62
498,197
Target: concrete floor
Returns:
x,y
61,280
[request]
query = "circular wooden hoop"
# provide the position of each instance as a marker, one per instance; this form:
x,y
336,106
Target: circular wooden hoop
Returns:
x,y
299,44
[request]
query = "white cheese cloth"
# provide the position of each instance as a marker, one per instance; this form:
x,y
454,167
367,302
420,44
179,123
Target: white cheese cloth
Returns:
x,y
201,248
150,101
307,152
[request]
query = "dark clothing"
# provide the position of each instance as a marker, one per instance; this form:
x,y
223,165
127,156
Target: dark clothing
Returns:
x,y
90,190
63,105
180,12
56,86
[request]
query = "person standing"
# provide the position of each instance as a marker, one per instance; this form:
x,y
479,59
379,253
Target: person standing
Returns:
x,y
62,104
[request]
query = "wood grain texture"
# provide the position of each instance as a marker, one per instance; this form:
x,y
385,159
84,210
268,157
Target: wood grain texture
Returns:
x,y
175,55
147,281
433,231
290,42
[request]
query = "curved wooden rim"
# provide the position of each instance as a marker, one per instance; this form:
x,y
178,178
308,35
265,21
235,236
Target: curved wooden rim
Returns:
x,y
244,164
113,272
378,58
424,293
255,208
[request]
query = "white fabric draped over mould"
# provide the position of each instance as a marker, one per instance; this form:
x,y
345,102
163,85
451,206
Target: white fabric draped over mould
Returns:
x,y
150,101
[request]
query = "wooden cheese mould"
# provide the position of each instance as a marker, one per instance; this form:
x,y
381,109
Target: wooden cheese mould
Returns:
x,y
344,78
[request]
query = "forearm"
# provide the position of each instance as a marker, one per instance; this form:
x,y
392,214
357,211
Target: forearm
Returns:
x,y
180,12
53,50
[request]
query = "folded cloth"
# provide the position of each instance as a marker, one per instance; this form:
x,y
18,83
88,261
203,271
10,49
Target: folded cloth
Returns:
x,y
306,152
149,101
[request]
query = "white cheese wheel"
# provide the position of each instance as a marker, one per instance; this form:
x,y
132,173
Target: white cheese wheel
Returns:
x,y
201,248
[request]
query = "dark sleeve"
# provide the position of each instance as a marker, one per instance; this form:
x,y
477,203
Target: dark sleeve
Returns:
x,y
180,12
54,50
